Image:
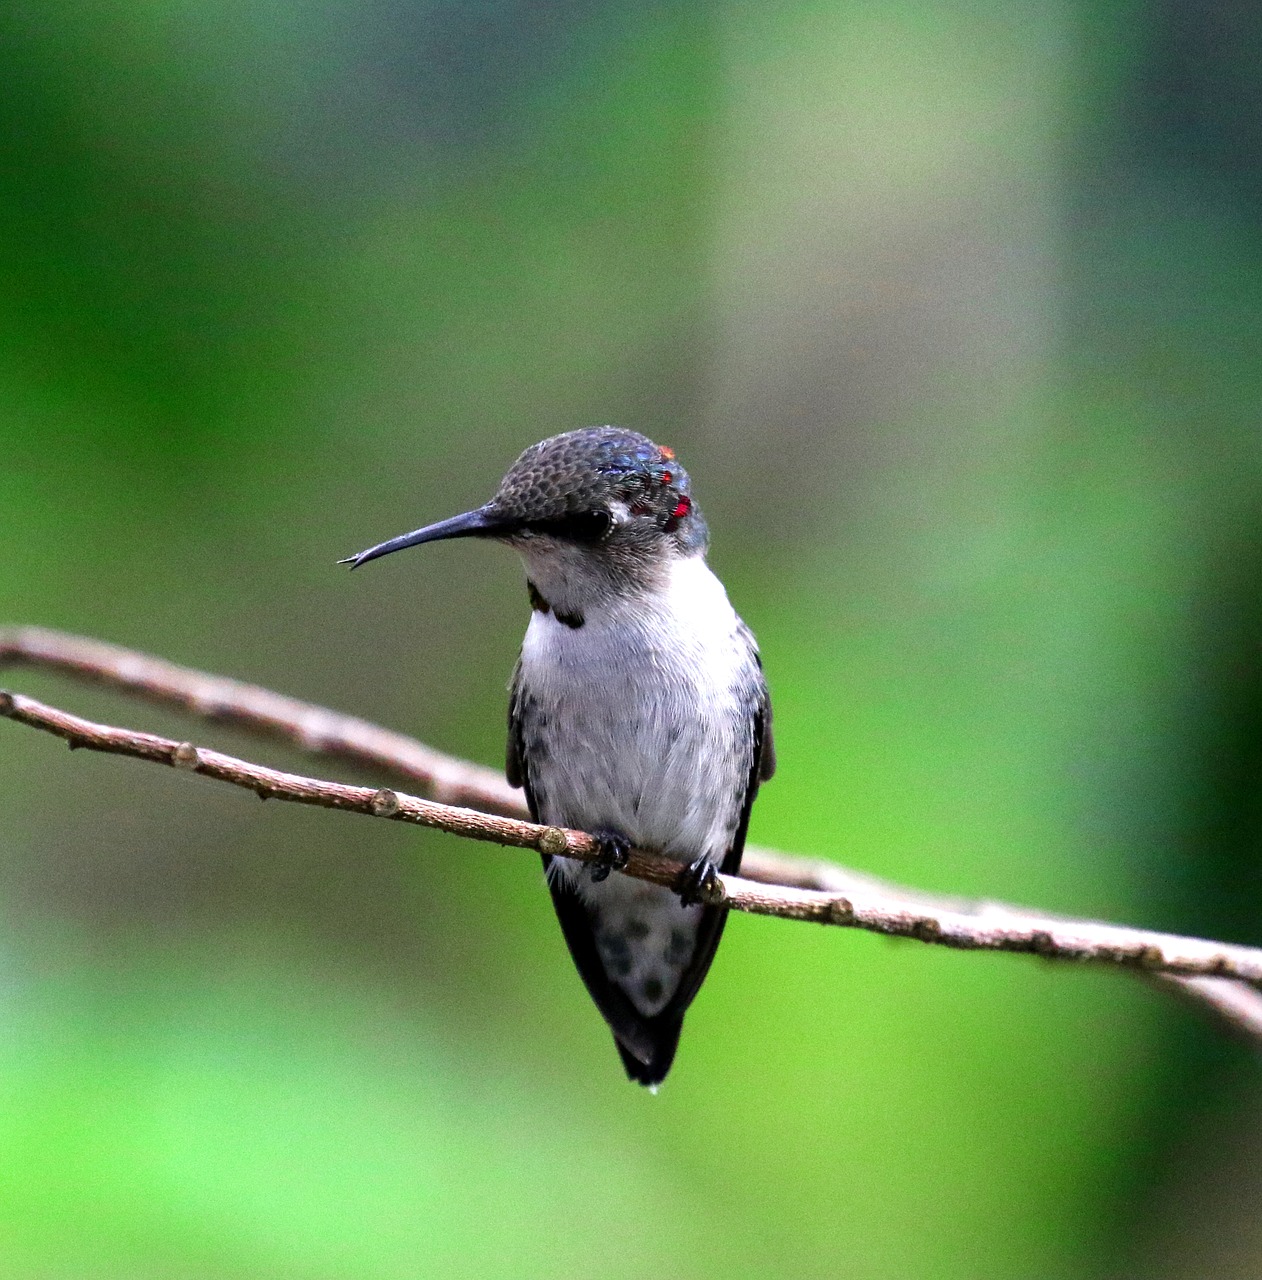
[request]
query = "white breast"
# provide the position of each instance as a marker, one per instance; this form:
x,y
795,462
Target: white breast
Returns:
x,y
642,716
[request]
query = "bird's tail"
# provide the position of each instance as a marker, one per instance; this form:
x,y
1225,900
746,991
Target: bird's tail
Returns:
x,y
664,1038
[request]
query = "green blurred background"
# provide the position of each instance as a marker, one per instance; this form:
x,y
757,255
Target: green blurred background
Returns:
x,y
954,312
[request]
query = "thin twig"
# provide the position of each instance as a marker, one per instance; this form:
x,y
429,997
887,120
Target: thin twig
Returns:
x,y
323,732
312,728
990,928
775,883
273,784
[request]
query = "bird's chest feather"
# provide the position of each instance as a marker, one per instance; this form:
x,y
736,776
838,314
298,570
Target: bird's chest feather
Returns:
x,y
639,720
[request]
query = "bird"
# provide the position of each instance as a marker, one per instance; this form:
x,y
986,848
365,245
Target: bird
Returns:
x,y
638,712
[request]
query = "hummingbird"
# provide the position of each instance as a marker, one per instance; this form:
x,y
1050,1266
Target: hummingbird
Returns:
x,y
638,712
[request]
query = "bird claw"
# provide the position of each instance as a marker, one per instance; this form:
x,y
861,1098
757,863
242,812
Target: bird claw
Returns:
x,y
615,853
697,883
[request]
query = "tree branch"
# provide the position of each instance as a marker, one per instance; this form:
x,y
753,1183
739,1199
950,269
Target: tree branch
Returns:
x,y
269,714
1214,975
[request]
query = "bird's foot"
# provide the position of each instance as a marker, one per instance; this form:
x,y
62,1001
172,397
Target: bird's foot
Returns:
x,y
615,853
697,883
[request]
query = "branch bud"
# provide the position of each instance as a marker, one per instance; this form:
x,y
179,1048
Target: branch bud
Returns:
x,y
385,803
552,841
841,911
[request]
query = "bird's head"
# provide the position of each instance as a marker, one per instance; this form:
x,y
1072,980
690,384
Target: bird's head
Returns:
x,y
593,511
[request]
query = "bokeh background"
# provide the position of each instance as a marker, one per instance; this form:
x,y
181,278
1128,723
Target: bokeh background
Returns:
x,y
953,310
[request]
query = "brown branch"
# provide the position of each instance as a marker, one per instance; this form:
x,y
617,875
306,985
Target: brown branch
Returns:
x,y
272,715
1212,974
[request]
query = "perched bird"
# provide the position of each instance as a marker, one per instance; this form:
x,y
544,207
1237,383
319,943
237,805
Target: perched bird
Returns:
x,y
638,712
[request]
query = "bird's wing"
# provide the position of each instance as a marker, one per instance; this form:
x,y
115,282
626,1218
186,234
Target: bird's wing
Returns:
x,y
513,768
764,744
710,927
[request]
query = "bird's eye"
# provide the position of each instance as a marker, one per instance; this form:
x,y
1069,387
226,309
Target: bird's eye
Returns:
x,y
589,526
577,526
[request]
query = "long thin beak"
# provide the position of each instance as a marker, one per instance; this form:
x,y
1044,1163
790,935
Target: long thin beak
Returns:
x,y
470,525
